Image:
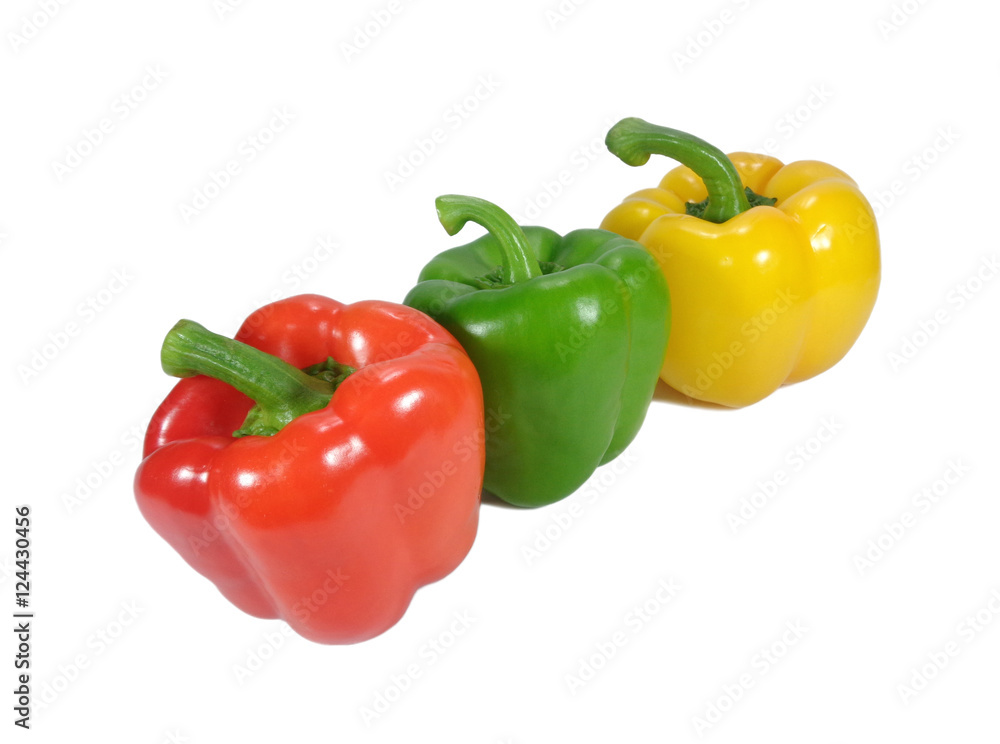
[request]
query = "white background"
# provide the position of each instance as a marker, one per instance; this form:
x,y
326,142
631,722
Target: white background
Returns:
x,y
901,96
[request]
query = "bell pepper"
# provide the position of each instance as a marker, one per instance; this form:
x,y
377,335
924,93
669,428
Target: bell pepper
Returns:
x,y
773,269
567,334
324,496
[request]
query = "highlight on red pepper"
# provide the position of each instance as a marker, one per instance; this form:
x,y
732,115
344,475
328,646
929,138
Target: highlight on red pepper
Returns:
x,y
321,467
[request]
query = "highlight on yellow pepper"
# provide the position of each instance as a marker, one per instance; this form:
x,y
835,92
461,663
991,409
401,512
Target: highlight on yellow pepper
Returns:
x,y
773,269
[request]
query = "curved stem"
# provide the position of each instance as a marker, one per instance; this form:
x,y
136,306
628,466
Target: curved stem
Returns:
x,y
281,392
519,260
634,140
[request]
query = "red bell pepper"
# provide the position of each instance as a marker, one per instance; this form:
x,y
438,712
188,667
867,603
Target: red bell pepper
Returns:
x,y
345,488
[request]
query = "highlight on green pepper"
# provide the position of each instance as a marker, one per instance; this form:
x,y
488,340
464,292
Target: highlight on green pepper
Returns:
x,y
567,333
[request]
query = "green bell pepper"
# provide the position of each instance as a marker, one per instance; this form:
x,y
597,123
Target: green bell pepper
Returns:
x,y
568,334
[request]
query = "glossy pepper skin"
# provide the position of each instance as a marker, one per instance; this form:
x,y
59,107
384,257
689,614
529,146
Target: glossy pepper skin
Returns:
x,y
567,333
768,288
347,488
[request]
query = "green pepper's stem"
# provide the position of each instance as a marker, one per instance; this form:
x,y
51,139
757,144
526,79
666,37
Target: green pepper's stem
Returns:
x,y
634,140
519,260
281,391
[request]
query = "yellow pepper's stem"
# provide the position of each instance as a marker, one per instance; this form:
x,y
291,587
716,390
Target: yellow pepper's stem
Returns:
x,y
634,140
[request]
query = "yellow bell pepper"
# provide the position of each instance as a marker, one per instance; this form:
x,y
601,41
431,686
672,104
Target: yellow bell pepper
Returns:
x,y
773,269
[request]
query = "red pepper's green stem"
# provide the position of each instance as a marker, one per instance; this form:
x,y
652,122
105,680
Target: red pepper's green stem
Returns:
x,y
634,140
281,391
519,260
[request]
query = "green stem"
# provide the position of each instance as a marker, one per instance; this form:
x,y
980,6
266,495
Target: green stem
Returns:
x,y
519,260
634,140
281,392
